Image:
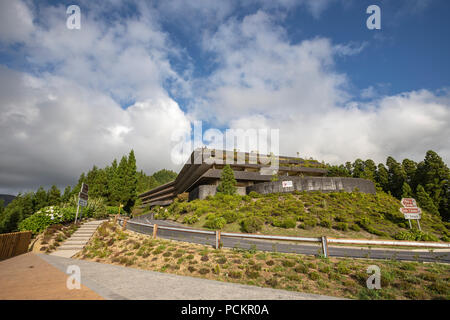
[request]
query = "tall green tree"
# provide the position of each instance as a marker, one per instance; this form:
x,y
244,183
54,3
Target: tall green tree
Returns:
x,y
370,170
396,177
382,177
434,175
66,195
53,196
358,168
425,201
227,183
40,199
406,190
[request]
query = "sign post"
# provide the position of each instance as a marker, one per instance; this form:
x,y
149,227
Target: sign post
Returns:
x,y
411,211
82,200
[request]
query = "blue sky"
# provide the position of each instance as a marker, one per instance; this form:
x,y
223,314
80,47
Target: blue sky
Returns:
x,y
138,74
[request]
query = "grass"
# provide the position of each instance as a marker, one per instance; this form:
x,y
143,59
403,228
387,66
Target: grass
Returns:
x,y
338,214
339,277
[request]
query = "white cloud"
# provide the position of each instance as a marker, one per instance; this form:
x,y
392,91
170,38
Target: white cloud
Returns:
x,y
265,81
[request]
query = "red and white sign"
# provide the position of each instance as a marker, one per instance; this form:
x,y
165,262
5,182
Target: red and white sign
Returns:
x,y
409,202
410,209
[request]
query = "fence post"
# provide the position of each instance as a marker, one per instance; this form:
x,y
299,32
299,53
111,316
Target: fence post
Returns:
x,y
115,219
124,223
155,230
325,246
217,239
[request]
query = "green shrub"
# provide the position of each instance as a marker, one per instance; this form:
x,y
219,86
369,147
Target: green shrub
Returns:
x,y
284,223
251,224
326,223
230,216
343,226
190,219
215,223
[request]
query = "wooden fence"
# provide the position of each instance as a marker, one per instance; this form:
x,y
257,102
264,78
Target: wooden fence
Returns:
x,y
13,244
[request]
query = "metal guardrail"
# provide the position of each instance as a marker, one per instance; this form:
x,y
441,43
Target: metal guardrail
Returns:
x,y
321,240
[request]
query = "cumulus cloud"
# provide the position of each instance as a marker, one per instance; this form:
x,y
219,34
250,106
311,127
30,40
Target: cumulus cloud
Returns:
x,y
90,95
266,81
68,113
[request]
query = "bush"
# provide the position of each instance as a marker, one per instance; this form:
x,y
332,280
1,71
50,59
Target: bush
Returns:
x,y
284,223
415,235
326,223
251,224
341,226
230,216
190,219
215,223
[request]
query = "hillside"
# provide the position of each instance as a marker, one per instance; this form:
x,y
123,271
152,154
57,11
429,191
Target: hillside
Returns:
x,y
7,198
347,215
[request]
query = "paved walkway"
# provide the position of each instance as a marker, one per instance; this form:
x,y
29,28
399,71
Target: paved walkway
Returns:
x,y
78,239
117,282
28,277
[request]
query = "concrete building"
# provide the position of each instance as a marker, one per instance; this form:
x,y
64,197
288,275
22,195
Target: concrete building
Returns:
x,y
201,174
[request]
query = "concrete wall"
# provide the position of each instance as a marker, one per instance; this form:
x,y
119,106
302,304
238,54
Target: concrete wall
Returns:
x,y
202,191
324,184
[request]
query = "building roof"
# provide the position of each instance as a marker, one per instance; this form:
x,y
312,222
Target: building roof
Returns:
x,y
204,166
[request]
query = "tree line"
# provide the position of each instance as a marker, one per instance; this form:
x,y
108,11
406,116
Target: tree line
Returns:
x,y
117,183
427,181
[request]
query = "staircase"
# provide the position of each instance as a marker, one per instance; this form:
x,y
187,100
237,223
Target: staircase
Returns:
x,y
78,240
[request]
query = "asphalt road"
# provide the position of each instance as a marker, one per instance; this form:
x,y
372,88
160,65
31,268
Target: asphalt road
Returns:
x,y
422,255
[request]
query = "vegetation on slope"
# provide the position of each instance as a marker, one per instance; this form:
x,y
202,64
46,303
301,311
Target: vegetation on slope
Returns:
x,y
339,277
340,214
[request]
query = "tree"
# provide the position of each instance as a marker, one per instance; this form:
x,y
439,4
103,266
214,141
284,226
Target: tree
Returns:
x,y
164,176
40,199
396,177
67,193
406,190
425,201
53,196
370,170
338,171
358,168
382,177
434,175
130,182
227,183
410,168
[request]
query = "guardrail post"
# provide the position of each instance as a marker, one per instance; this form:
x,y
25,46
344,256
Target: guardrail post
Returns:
x,y
217,239
155,230
325,247
124,223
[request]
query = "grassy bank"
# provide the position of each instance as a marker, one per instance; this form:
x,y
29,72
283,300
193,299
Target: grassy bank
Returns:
x,y
332,276
342,214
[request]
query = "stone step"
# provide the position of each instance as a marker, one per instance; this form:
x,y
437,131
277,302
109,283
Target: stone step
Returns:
x,y
75,242
70,247
83,232
80,236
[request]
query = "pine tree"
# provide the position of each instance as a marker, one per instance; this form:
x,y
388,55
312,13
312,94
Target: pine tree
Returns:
x,y
406,190
227,183
358,168
425,201
53,196
40,199
131,182
67,193
396,177
370,170
434,175
382,177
